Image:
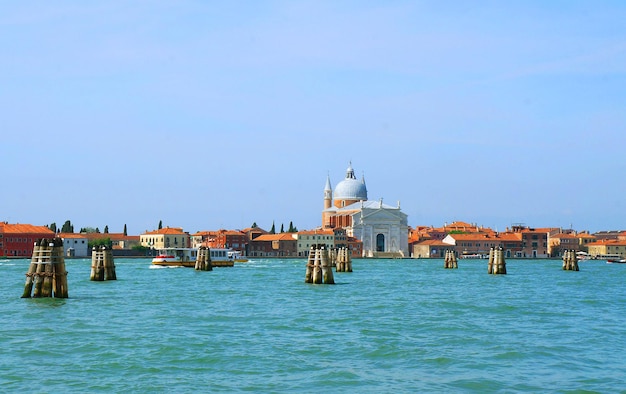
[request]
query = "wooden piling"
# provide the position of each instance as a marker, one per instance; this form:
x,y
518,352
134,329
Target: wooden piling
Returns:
x,y
491,258
203,259
497,265
570,262
97,265
46,276
317,267
109,264
308,276
450,260
327,269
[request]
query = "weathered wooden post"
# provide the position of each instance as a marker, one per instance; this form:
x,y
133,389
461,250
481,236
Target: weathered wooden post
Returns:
x,y
317,267
109,264
491,258
450,260
570,262
308,276
97,264
333,257
46,273
344,260
203,259
327,269
499,265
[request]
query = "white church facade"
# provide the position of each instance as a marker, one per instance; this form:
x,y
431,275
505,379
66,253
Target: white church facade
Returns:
x,y
383,229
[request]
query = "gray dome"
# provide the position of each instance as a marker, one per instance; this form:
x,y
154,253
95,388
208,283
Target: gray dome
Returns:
x,y
351,188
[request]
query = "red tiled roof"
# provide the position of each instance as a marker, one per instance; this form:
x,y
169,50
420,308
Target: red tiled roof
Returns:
x,y
24,229
166,231
276,237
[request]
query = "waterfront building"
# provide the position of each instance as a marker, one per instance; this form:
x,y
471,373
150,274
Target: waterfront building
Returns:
x,y
75,245
232,239
17,240
604,247
329,239
382,229
534,241
429,248
274,245
168,237
468,244
561,242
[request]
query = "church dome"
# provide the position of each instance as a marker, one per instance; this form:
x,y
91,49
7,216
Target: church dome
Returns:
x,y
351,188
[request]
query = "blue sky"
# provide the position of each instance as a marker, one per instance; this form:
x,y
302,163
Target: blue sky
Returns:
x,y
211,115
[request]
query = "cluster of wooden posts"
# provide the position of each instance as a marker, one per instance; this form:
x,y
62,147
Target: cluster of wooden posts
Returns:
x,y
497,265
341,259
318,267
102,265
570,262
450,260
46,273
203,259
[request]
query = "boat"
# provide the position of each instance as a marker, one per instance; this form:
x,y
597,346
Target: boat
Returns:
x,y
615,261
186,257
468,255
236,256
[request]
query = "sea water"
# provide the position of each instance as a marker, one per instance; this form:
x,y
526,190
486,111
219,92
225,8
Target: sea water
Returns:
x,y
389,326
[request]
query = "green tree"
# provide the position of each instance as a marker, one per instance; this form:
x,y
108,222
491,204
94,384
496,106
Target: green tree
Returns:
x,y
97,230
254,225
67,227
106,229
160,224
290,227
282,228
125,232
53,227
273,230
100,242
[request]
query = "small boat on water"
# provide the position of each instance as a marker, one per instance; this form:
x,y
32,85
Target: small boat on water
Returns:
x,y
186,257
615,261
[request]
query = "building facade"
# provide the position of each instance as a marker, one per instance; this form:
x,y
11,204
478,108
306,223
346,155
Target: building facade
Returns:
x,y
169,237
17,240
382,229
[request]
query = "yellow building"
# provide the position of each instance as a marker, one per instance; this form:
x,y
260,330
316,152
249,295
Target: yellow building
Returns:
x,y
609,247
169,237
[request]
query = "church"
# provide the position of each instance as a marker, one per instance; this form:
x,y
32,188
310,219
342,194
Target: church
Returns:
x,y
382,228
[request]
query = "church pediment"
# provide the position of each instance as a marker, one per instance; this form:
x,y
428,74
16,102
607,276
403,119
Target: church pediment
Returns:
x,y
380,215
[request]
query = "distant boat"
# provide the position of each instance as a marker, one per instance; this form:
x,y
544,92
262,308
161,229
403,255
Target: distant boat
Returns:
x,y
615,261
186,257
468,255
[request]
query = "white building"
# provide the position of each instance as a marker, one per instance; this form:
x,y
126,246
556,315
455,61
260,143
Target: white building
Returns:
x,y
382,228
75,245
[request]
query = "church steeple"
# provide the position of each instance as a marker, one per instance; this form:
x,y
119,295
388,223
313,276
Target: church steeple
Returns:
x,y
328,193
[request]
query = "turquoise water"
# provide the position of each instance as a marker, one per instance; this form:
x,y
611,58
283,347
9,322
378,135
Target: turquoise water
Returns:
x,y
389,326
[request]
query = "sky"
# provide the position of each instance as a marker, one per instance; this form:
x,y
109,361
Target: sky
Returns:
x,y
219,114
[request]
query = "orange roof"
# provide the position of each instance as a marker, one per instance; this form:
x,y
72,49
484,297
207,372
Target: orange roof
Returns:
x,y
24,229
276,237
166,231
316,232
72,235
608,242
